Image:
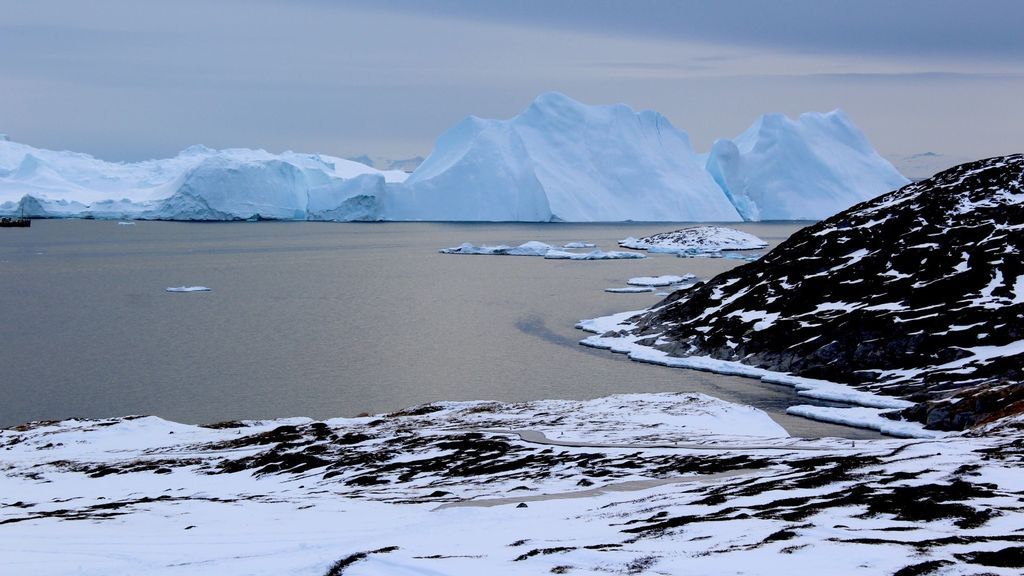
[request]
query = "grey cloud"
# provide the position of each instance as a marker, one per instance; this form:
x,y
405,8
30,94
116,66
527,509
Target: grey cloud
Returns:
x,y
904,27
126,79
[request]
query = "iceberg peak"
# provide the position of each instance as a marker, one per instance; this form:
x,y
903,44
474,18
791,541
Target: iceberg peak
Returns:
x,y
562,160
553,98
196,150
803,169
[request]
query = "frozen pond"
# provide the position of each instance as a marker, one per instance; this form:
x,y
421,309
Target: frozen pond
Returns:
x,y
324,319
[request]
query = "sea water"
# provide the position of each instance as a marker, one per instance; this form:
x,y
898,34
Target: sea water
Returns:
x,y
324,320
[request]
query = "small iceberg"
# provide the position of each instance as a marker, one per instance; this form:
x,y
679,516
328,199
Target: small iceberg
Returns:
x,y
667,280
630,289
126,223
593,255
746,257
534,248
531,248
696,241
571,245
187,289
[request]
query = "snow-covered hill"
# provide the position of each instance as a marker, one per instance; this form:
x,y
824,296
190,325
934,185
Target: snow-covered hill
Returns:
x,y
803,169
917,294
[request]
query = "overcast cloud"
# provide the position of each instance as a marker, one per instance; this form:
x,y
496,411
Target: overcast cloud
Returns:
x,y
129,79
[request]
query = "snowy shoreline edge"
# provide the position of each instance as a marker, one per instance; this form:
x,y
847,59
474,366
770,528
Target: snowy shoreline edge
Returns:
x,y
865,409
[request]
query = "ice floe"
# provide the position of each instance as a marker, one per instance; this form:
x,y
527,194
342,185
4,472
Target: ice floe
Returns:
x,y
592,255
531,248
535,248
666,280
630,289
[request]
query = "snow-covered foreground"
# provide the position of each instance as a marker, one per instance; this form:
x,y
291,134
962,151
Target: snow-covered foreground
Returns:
x,y
661,484
559,160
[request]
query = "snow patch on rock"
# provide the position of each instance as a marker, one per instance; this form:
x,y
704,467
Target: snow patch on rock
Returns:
x,y
696,240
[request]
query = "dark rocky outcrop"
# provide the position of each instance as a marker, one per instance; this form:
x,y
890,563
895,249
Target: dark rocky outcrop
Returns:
x,y
918,293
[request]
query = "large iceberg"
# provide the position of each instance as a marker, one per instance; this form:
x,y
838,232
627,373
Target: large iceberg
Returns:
x,y
804,169
561,160
198,184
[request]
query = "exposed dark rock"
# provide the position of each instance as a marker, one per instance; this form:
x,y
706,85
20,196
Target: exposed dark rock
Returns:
x,y
922,568
543,552
1012,557
338,568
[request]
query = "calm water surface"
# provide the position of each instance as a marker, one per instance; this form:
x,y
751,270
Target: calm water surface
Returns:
x,y
323,320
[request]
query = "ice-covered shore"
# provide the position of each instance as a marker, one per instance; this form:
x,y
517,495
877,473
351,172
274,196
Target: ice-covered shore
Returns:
x,y
625,484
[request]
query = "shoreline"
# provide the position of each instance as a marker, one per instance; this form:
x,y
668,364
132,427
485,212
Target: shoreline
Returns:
x,y
865,408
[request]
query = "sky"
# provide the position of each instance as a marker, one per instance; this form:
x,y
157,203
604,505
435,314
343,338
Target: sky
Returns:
x,y
138,79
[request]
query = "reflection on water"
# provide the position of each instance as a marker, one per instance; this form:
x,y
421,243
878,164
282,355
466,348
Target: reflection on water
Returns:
x,y
322,320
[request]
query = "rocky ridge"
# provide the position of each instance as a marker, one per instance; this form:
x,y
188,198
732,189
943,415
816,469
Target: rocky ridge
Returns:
x,y
918,293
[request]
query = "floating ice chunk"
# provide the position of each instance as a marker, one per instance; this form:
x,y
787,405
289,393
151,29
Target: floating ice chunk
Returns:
x,y
534,248
467,248
593,255
666,280
630,289
126,223
531,248
746,257
580,245
187,289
